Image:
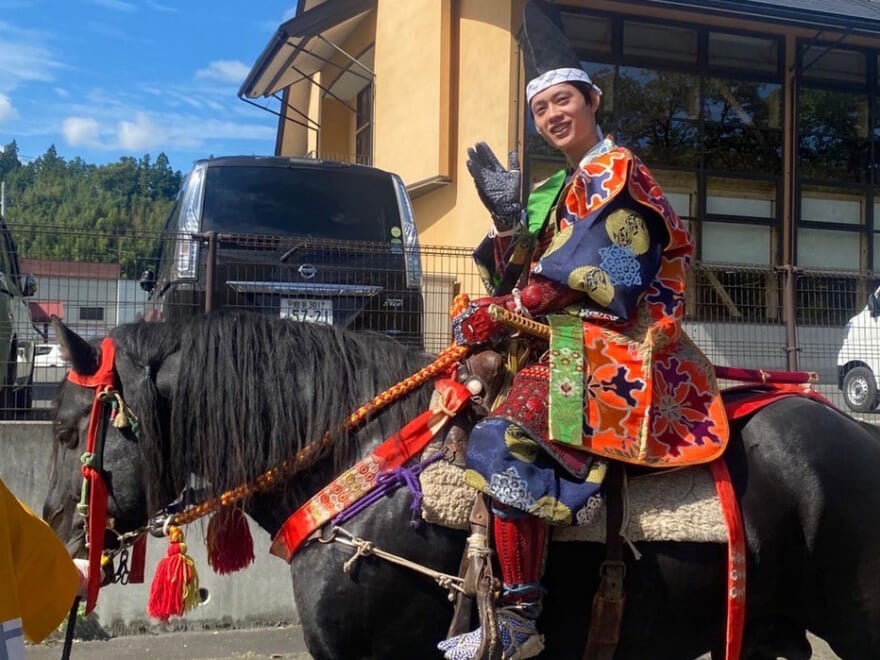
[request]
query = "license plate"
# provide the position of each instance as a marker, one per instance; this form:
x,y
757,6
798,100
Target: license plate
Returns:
x,y
303,309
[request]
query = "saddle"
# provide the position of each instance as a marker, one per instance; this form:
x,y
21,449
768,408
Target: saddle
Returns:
x,y
486,374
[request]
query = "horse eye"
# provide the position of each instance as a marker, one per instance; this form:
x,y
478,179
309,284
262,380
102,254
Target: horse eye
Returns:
x,y
67,437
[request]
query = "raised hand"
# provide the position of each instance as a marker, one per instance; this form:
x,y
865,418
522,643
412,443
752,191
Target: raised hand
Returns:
x,y
498,188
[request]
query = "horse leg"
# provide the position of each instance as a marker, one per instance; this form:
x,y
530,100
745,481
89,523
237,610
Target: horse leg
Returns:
x,y
674,599
806,479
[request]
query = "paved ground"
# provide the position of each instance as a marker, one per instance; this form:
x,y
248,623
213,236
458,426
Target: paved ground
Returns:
x,y
254,644
258,644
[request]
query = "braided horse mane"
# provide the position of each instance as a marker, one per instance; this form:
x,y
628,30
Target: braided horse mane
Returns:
x,y
251,390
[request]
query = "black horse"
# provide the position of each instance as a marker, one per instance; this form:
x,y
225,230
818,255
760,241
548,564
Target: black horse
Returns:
x,y
227,396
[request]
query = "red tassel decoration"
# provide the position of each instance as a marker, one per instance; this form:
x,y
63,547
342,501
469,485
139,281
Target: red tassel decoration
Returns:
x,y
230,545
175,588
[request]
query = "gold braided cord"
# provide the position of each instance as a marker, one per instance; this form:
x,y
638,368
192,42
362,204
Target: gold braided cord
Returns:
x,y
443,363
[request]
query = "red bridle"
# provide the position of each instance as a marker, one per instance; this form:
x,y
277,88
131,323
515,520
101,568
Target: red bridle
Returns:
x,y
93,502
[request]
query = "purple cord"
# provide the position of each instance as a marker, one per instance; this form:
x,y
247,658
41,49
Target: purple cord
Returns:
x,y
386,484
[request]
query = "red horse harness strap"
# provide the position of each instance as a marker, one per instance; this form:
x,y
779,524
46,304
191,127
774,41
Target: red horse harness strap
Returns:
x,y
360,479
93,503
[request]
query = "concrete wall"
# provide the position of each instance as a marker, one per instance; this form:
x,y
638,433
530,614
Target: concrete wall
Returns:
x,y
261,593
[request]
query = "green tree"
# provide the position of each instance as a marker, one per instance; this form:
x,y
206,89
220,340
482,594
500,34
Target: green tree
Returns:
x,y
78,211
9,159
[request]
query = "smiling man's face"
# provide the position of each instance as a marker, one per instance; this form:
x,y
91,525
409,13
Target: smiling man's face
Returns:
x,y
566,119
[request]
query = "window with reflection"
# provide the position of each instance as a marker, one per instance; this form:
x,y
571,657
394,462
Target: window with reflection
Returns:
x,y
746,199
654,41
829,204
828,249
589,34
743,127
743,52
830,226
657,115
833,135
820,63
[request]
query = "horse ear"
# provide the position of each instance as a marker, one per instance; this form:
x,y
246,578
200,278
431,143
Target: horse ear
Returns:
x,y
82,356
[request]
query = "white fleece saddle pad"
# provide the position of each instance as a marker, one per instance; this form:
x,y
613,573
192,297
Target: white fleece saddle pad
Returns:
x,y
680,505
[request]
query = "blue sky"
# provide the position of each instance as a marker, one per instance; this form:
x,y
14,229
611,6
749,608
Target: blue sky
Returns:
x,y
102,79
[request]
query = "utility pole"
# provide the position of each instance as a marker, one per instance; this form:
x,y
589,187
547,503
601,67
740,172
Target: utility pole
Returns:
x,y
2,199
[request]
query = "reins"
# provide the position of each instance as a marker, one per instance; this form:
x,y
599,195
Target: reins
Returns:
x,y
93,506
93,499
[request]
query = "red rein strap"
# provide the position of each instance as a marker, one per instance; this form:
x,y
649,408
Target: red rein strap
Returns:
x,y
359,480
736,559
765,376
96,516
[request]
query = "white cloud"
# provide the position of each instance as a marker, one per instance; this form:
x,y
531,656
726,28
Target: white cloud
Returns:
x,y
81,132
134,124
142,133
63,93
116,5
231,71
7,111
21,60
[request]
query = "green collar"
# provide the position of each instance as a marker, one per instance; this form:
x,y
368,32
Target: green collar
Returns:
x,y
542,199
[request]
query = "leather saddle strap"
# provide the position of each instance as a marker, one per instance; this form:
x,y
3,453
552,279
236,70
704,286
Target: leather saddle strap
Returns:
x,y
479,584
472,565
608,603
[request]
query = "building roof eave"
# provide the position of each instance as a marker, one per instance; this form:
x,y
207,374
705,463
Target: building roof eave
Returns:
x,y
851,15
289,40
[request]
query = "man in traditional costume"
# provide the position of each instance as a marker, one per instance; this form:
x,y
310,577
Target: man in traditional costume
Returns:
x,y
38,580
600,254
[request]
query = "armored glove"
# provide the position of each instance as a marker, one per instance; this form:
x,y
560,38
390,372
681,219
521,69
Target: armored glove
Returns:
x,y
499,189
474,325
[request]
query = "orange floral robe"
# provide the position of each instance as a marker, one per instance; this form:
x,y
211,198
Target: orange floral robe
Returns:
x,y
650,395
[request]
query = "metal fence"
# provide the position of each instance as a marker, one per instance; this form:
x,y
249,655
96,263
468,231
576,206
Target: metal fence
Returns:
x,y
737,315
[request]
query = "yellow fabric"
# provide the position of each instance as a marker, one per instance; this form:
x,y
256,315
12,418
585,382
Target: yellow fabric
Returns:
x,y
38,580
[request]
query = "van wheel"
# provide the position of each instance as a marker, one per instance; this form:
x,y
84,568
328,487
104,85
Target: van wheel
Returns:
x,y
860,389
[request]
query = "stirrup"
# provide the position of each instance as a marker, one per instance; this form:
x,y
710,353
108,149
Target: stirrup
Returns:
x,y
519,639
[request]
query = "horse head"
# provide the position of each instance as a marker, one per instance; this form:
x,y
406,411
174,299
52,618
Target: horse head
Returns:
x,y
119,456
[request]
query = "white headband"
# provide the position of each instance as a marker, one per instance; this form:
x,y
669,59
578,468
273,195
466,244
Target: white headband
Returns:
x,y
556,76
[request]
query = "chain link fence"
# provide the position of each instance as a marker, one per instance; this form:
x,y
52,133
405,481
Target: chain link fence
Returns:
x,y
94,281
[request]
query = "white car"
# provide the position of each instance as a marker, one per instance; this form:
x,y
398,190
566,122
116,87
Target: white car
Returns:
x,y
858,361
49,355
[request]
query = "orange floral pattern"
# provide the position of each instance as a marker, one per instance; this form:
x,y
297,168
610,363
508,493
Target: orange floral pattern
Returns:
x,y
651,397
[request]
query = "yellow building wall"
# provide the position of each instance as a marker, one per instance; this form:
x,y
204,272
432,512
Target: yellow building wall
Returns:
x,y
295,137
337,131
444,71
411,98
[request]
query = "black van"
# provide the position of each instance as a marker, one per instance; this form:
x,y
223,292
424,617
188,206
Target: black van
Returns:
x,y
305,239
